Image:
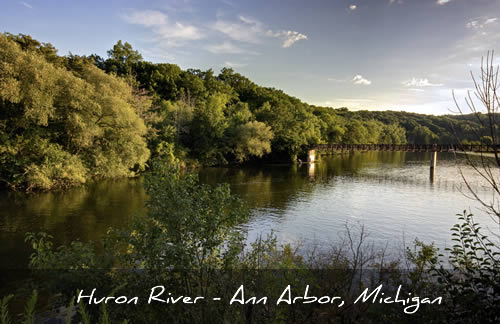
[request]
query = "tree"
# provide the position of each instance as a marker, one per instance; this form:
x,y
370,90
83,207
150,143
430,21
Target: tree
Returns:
x,y
392,134
191,219
253,139
484,104
122,58
422,135
61,127
162,80
209,125
27,43
355,133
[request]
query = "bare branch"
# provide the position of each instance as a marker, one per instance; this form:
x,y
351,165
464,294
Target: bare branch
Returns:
x,y
486,94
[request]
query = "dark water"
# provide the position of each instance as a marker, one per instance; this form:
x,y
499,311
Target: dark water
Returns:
x,y
84,213
389,192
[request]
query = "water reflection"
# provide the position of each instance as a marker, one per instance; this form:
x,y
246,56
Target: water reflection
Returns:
x,y
311,170
390,192
275,185
85,213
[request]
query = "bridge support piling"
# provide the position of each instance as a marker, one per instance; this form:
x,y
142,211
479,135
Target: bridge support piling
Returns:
x,y
432,174
433,159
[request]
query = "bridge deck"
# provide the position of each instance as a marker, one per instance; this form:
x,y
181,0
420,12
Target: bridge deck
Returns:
x,y
407,147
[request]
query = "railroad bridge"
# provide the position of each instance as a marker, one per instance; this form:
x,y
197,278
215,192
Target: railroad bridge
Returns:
x,y
314,150
405,147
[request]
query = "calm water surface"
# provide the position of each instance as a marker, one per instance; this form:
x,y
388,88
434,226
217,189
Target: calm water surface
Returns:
x,y
390,193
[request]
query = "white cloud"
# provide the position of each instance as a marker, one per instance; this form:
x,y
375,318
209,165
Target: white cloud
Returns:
x,y
225,48
352,7
476,43
420,83
160,25
359,79
234,64
481,23
289,37
245,30
250,20
336,80
251,30
179,30
350,103
355,99
443,2
146,18
472,24
27,5
490,21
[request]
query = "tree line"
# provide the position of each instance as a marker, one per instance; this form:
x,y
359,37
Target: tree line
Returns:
x,y
67,119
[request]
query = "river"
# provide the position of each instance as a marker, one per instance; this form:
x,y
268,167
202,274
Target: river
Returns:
x,y
389,193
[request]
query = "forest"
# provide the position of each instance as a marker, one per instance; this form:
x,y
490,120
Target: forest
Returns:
x,y
66,120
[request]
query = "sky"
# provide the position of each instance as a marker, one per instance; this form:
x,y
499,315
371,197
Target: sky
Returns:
x,y
368,54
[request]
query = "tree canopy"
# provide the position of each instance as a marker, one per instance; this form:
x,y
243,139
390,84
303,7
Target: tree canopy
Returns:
x,y
67,119
61,127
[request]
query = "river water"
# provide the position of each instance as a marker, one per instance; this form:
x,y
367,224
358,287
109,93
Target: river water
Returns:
x,y
389,193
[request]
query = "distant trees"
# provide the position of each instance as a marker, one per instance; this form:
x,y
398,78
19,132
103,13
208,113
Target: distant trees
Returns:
x,y
355,133
372,132
294,124
393,134
423,135
66,119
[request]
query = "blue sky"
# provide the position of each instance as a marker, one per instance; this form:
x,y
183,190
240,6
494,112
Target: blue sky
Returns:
x,y
366,54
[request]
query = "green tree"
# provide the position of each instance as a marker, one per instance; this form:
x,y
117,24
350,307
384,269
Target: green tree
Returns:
x,y
208,127
253,139
423,135
122,58
161,80
374,130
355,133
63,127
27,43
392,134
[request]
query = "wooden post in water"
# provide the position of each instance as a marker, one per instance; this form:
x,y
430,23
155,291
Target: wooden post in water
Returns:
x,y
433,159
433,165
311,156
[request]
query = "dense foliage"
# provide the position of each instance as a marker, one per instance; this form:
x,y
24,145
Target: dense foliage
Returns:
x,y
63,121
67,119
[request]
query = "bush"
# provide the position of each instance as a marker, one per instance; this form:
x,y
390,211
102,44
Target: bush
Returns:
x,y
471,277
